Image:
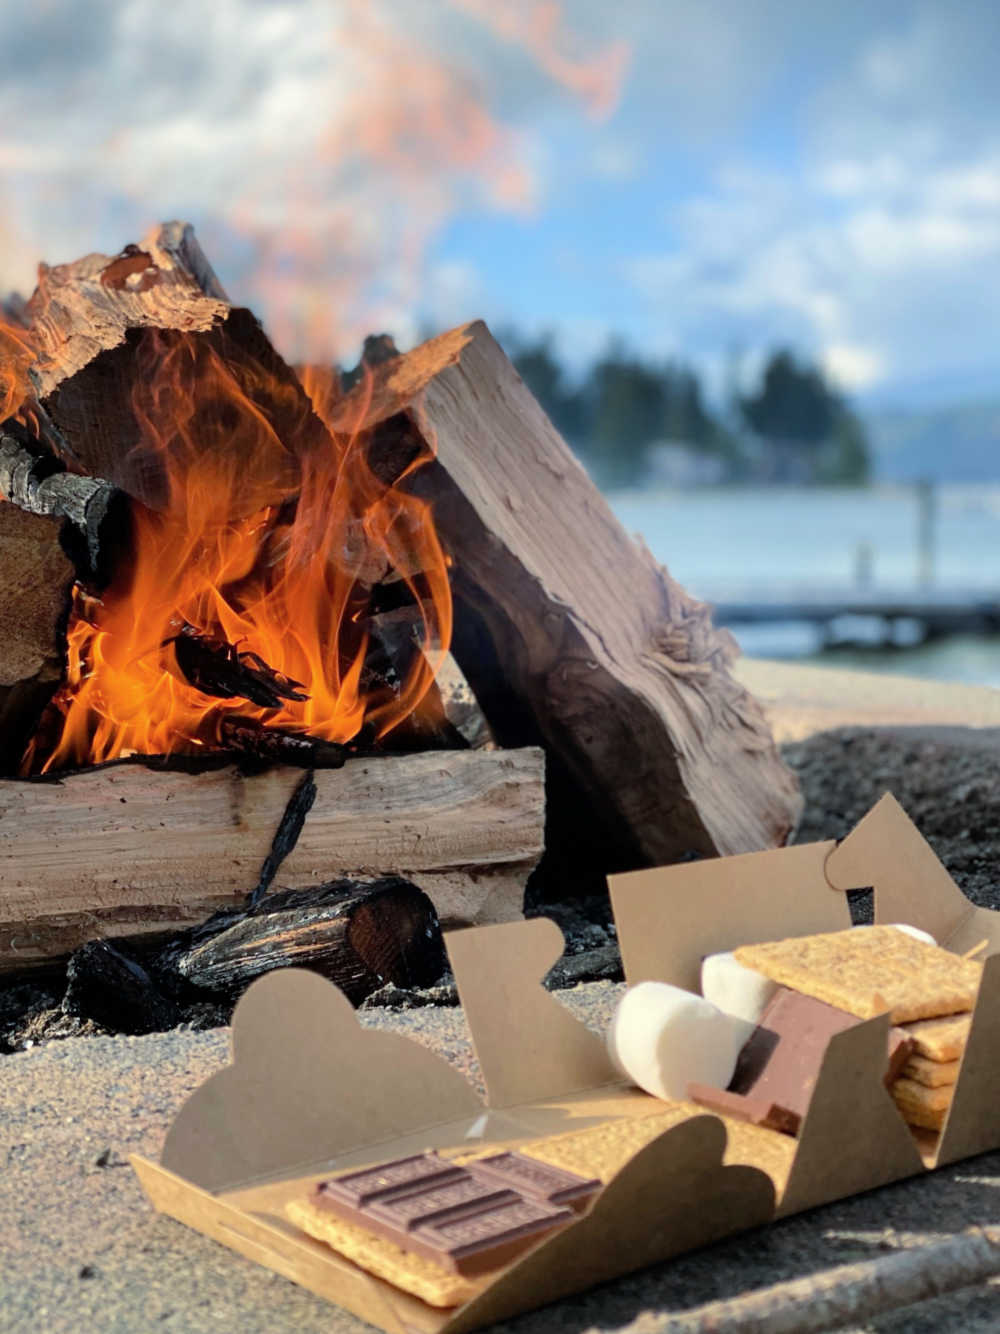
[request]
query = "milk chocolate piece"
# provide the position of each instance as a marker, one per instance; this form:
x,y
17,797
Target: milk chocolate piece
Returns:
x,y
464,1221
358,1189
780,1062
782,1057
474,1242
759,1111
537,1180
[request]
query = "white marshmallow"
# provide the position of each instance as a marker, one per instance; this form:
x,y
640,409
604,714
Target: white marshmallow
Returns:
x,y
734,988
913,931
663,1038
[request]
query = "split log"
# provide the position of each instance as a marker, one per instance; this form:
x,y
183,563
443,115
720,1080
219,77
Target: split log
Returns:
x,y
103,328
569,632
54,527
35,580
360,936
128,851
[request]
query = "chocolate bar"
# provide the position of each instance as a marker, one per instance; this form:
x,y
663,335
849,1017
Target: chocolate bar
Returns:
x,y
537,1180
779,1064
758,1110
464,1220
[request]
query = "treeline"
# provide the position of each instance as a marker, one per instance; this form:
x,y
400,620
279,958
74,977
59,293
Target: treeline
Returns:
x,y
633,421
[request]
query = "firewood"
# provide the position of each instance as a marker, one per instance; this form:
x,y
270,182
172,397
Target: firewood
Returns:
x,y
271,745
220,669
568,631
38,483
35,580
103,327
361,936
126,851
449,714
115,991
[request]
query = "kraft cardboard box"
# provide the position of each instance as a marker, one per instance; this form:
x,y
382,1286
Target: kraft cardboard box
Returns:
x,y
309,1092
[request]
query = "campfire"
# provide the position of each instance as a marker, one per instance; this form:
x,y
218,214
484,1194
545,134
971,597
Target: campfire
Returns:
x,y
265,626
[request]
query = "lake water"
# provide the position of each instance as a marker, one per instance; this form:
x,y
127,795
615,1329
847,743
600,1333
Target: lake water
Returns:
x,y
736,544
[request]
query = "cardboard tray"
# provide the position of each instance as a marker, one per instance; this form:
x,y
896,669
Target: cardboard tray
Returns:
x,y
309,1091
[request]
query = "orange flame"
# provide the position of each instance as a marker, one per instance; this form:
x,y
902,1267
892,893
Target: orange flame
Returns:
x,y
16,357
271,546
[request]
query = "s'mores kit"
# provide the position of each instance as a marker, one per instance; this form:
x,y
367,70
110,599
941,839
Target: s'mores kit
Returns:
x,y
766,1057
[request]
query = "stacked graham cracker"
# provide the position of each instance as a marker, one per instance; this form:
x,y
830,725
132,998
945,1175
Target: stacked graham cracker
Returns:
x,y
928,992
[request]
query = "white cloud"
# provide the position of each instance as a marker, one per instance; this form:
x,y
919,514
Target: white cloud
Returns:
x,y
318,145
878,250
852,366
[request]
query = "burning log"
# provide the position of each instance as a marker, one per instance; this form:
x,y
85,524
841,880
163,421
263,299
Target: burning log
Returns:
x,y
361,936
218,668
97,328
270,745
54,527
35,580
568,631
259,536
143,853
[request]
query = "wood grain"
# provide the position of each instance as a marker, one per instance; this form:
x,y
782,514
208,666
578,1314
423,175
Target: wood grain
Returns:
x,y
608,661
125,850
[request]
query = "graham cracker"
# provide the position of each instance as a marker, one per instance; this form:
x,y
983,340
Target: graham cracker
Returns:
x,y
870,971
920,1105
603,1150
940,1039
933,1074
431,1282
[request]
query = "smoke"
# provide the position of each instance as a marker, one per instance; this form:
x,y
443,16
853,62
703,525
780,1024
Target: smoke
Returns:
x,y
318,147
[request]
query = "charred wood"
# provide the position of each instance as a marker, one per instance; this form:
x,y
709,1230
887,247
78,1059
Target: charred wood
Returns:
x,y
218,668
114,991
361,936
39,484
271,745
285,836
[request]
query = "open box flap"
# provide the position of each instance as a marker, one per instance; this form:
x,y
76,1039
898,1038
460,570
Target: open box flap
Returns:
x,y
973,1124
528,1044
306,1082
670,917
280,1248
885,850
673,1196
853,1137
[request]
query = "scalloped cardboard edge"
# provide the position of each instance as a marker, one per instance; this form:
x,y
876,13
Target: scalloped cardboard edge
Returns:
x,y
309,1091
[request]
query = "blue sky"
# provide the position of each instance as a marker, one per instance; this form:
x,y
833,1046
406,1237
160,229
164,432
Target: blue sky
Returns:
x,y
747,173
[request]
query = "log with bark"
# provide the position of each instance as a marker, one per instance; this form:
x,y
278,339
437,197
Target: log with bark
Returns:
x,y
125,850
569,632
360,935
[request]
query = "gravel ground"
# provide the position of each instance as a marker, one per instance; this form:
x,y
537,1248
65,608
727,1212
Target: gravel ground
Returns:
x,y
946,778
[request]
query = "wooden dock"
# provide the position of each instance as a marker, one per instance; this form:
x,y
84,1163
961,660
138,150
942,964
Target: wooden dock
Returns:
x,y
940,611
